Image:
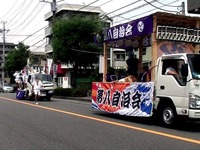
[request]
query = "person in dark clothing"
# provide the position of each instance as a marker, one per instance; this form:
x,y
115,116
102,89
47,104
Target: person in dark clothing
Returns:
x,y
132,64
144,76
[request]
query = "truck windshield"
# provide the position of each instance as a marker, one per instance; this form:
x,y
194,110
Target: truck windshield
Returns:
x,y
194,60
45,77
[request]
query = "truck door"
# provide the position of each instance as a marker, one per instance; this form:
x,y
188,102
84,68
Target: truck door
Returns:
x,y
170,85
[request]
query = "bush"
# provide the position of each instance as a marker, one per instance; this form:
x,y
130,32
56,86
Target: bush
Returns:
x,y
74,92
62,92
79,92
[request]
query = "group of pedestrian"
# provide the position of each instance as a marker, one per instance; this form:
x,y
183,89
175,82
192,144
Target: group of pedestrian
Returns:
x,y
21,79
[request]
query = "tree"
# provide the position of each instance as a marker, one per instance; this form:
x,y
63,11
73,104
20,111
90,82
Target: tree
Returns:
x,y
73,41
16,58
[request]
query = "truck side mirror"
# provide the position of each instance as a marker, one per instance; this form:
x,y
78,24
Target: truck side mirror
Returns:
x,y
184,70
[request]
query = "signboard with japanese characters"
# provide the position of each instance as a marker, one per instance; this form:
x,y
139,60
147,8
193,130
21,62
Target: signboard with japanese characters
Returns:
x,y
139,27
115,36
131,99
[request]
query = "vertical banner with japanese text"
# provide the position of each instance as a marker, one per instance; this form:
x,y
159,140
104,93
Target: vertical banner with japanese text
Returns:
x,y
131,99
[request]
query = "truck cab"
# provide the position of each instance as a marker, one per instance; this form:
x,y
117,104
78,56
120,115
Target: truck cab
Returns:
x,y
47,90
178,96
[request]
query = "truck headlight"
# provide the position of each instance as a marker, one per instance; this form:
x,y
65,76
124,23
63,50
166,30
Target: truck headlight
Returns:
x,y
194,101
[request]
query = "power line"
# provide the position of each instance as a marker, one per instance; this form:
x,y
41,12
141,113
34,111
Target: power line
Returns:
x,y
70,6
26,25
130,10
34,33
120,8
37,42
88,5
34,38
168,5
134,16
30,19
11,8
17,12
159,7
40,46
101,4
29,14
23,11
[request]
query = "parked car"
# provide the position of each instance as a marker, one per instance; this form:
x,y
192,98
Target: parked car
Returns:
x,y
7,88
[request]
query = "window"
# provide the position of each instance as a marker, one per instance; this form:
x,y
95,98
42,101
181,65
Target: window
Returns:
x,y
144,51
120,57
175,65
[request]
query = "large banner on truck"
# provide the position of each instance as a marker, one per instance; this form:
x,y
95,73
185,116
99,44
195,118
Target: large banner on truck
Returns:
x,y
131,99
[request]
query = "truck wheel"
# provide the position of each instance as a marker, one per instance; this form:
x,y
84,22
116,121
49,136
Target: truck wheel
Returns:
x,y
168,116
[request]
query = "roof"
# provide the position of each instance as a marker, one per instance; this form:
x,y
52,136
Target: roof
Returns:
x,y
37,53
75,7
164,18
8,44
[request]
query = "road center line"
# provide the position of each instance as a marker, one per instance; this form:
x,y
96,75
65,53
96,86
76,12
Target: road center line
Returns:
x,y
109,122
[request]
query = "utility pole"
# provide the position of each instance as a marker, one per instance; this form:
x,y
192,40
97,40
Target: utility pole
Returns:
x,y
3,55
183,8
53,7
53,10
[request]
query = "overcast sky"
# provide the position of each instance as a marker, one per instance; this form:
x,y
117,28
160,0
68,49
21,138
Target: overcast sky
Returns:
x,y
25,17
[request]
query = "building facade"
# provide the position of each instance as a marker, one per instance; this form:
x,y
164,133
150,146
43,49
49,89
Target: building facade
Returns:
x,y
7,48
63,11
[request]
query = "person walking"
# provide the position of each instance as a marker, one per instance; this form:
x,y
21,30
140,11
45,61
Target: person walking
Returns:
x,y
37,85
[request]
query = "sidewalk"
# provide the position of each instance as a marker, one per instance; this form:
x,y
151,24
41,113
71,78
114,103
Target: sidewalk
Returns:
x,y
72,98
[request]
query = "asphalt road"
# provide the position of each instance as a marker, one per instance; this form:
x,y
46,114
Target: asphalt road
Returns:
x,y
74,125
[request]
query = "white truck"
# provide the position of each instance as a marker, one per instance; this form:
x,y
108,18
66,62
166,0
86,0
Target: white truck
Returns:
x,y
169,98
47,90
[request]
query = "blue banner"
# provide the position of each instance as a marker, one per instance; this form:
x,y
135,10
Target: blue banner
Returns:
x,y
139,27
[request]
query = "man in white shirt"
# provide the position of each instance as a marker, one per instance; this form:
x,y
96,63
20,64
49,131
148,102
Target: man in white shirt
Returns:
x,y
171,71
18,79
37,85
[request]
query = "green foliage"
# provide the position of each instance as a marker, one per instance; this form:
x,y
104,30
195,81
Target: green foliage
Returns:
x,y
79,92
73,40
63,92
74,92
96,76
17,58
